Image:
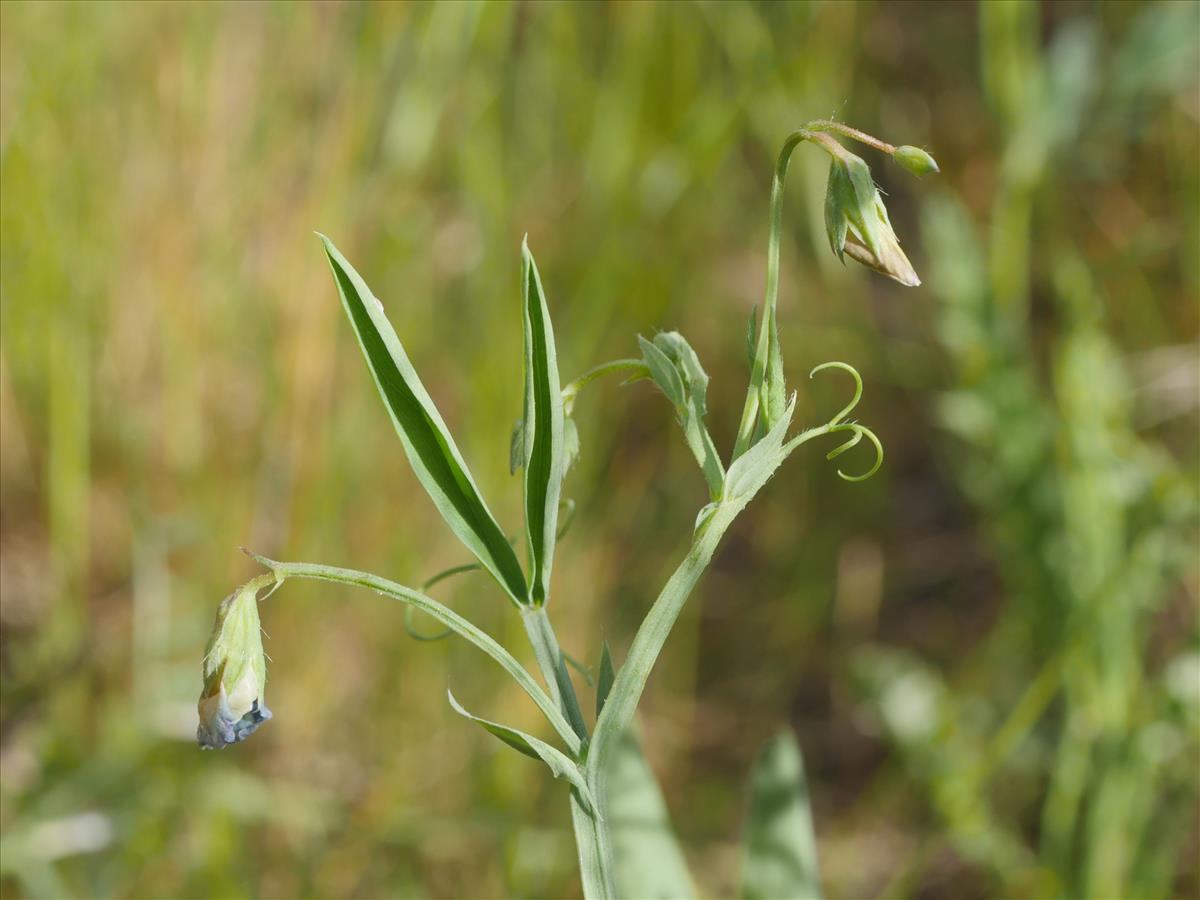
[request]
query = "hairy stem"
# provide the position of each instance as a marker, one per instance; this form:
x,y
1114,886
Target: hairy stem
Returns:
x,y
853,133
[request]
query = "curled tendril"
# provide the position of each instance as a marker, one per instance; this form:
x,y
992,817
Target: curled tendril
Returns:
x,y
409,610
859,432
568,517
839,423
858,388
853,442
412,632
579,667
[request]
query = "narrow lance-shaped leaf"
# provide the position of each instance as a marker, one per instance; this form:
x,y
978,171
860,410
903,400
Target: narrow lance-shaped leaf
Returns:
x,y
561,765
780,850
427,442
647,859
543,426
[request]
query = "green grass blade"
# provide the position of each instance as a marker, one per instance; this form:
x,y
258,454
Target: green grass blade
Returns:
x,y
647,859
427,442
543,426
561,765
780,849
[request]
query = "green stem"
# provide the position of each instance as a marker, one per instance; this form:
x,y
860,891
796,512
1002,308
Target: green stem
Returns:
x,y
592,840
594,846
553,666
630,682
631,679
449,618
595,851
853,133
767,358
766,335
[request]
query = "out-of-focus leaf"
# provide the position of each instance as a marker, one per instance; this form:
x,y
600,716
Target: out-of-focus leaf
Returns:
x,y
560,764
647,859
780,849
1071,64
604,681
543,431
907,694
676,369
1158,55
427,442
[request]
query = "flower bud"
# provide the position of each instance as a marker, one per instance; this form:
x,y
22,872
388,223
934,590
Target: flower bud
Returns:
x,y
915,160
235,672
857,221
893,264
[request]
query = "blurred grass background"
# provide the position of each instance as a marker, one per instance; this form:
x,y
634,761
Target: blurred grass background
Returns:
x,y
989,652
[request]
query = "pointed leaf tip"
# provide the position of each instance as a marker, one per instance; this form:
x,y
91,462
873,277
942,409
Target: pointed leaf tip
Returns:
x,y
543,431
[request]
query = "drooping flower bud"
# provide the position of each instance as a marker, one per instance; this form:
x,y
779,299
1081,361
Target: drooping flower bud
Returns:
x,y
231,704
915,160
857,221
